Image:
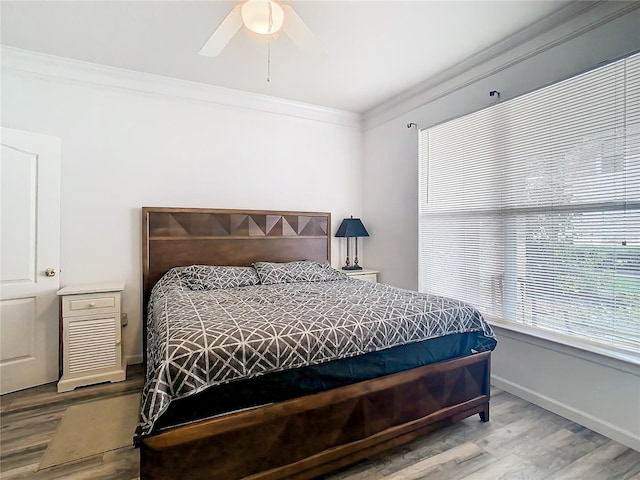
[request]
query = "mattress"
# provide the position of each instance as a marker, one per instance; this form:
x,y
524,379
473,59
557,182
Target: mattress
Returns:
x,y
204,341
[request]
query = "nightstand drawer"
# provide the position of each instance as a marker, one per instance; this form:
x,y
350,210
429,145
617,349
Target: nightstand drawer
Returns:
x,y
367,277
75,305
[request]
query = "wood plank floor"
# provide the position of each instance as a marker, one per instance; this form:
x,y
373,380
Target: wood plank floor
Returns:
x,y
522,441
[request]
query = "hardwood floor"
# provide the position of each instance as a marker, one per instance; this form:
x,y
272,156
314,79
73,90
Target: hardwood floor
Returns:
x,y
522,441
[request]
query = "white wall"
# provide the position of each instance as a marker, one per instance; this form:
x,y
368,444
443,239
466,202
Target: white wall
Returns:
x,y
124,148
391,197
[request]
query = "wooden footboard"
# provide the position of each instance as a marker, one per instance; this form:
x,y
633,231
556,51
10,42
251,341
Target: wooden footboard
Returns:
x,y
311,435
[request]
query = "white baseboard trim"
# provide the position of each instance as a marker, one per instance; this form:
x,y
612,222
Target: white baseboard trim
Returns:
x,y
607,429
133,359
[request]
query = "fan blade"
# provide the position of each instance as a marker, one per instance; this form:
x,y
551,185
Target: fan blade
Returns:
x,y
300,34
223,34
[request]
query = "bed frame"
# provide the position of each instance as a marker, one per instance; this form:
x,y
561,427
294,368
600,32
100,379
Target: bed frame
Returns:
x,y
314,434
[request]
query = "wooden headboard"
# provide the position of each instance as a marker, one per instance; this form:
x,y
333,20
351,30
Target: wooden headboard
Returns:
x,y
173,237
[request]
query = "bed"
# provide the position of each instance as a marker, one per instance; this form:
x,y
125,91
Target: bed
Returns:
x,y
319,396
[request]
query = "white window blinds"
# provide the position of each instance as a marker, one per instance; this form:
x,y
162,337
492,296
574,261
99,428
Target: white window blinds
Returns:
x,y
530,209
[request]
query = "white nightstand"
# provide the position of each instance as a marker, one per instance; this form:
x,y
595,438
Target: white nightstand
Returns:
x,y
91,335
366,274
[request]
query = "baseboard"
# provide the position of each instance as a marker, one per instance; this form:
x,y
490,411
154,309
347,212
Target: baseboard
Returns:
x,y
607,429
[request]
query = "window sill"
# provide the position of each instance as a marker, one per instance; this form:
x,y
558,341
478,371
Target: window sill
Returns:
x,y
625,360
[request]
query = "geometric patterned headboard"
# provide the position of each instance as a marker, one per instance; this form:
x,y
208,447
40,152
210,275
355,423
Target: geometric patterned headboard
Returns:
x,y
216,223
186,236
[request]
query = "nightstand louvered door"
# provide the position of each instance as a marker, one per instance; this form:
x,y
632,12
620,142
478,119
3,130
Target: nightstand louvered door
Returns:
x,y
91,333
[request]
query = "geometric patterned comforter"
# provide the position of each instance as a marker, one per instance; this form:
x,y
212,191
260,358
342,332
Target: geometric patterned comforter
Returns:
x,y
202,338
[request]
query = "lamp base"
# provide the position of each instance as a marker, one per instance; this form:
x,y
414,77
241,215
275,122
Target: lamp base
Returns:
x,y
352,267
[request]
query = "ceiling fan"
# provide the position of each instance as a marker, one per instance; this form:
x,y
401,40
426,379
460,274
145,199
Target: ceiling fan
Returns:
x,y
265,17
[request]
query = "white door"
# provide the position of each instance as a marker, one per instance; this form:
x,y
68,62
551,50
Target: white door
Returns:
x,y
29,245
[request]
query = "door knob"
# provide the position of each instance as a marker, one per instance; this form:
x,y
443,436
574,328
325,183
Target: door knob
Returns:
x,y
50,272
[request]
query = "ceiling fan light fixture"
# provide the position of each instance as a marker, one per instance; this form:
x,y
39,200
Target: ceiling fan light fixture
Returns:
x,y
265,17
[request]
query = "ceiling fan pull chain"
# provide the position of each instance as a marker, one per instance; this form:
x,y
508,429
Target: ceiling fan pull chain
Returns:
x,y
268,62
269,44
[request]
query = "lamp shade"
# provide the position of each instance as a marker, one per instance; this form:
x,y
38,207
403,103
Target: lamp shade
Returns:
x,y
352,227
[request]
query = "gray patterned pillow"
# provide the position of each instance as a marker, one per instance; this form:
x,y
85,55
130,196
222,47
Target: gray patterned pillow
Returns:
x,y
211,277
293,272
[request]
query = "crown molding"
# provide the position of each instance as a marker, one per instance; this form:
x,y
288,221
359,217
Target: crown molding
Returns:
x,y
575,19
70,71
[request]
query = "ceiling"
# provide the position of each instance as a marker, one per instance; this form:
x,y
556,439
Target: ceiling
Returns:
x,y
375,49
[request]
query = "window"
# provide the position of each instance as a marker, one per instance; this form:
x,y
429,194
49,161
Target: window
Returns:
x,y
530,209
